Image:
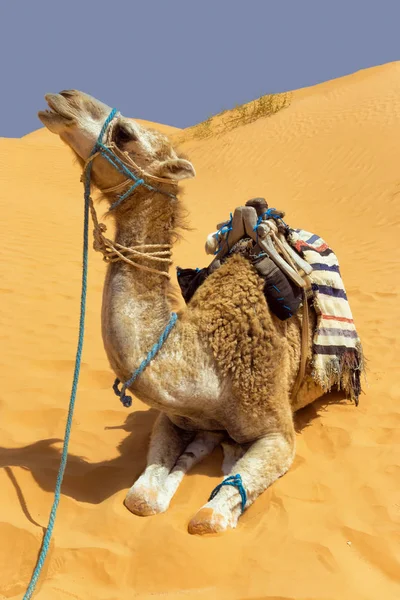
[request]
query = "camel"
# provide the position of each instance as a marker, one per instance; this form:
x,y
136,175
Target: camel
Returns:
x,y
227,369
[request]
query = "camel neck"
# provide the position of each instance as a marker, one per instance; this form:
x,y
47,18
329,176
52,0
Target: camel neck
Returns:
x,y
136,307
146,219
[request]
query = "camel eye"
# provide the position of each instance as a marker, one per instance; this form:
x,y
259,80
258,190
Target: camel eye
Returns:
x,y
123,135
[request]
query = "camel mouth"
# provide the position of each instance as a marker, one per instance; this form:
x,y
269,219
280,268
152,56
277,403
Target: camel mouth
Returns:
x,y
57,113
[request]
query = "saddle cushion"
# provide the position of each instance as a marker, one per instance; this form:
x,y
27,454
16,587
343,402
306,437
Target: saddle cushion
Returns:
x,y
189,280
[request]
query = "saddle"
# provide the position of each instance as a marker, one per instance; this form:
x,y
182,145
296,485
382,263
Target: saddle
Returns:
x,y
259,234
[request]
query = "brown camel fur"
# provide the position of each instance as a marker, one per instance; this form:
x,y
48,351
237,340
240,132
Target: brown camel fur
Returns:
x,y
226,371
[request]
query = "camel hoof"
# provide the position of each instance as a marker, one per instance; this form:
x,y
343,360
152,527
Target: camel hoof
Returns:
x,y
145,502
207,520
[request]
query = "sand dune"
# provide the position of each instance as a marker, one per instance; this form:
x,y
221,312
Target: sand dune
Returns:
x,y
329,529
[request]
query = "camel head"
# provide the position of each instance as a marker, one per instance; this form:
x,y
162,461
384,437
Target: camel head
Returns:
x,y
78,118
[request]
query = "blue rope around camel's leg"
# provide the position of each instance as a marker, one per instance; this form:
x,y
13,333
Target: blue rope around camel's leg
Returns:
x,y
64,455
234,481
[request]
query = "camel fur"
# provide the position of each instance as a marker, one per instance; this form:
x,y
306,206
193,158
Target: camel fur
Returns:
x,y
226,371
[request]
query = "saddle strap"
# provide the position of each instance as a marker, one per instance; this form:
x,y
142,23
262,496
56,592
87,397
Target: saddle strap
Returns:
x,y
305,333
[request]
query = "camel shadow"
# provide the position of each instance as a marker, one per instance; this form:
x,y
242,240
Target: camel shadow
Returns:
x,y
94,482
85,481
304,417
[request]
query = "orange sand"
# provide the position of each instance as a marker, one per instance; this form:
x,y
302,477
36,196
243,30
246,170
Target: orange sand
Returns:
x,y
327,530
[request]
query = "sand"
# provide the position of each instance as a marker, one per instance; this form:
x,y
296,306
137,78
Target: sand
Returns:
x,y
327,530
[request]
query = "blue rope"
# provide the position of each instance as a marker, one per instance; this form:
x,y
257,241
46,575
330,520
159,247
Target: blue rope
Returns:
x,y
270,213
128,193
127,400
225,229
64,454
78,358
104,129
235,481
115,161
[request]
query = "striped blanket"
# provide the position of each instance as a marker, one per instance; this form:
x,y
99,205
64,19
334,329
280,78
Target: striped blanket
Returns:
x,y
337,352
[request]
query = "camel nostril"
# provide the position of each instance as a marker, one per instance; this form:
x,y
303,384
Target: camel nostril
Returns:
x,y
67,93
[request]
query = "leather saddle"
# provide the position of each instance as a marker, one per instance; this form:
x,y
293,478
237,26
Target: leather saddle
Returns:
x,y
259,234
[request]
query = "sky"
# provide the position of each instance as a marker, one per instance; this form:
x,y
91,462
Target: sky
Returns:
x,y
178,62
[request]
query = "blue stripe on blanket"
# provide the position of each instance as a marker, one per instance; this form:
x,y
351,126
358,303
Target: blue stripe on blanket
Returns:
x,y
321,267
334,350
328,290
312,239
333,331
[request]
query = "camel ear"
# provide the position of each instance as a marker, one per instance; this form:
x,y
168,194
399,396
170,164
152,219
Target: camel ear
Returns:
x,y
176,169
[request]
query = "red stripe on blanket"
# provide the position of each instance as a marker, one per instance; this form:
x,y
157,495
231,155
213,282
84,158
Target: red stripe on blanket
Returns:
x,y
333,318
299,245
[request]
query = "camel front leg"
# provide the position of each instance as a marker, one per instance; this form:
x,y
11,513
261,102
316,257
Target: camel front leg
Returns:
x,y
167,442
266,460
172,453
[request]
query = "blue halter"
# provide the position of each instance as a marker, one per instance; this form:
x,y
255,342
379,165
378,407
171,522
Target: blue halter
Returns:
x,y
120,166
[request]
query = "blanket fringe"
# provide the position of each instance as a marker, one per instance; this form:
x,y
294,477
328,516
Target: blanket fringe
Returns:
x,y
343,372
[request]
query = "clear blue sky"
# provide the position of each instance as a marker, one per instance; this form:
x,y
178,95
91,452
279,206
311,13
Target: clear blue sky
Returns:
x,y
179,61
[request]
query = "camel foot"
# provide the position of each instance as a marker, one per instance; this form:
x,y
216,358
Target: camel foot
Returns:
x,y
207,520
145,502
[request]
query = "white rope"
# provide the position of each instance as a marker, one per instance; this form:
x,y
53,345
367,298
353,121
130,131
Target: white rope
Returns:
x,y
113,252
